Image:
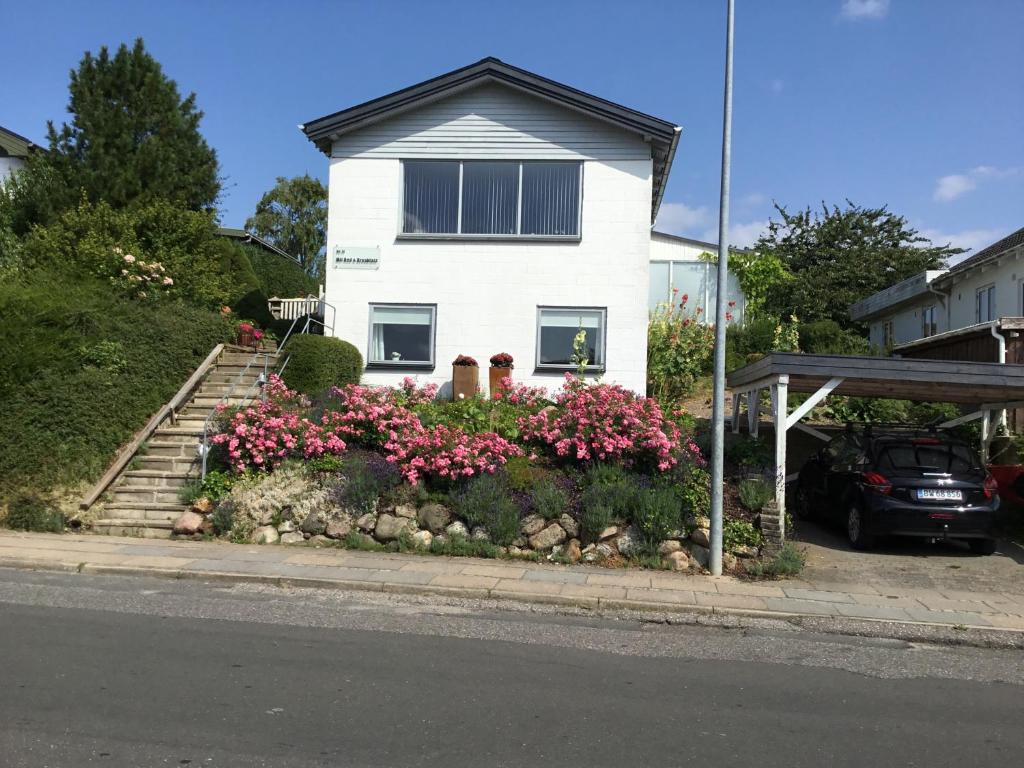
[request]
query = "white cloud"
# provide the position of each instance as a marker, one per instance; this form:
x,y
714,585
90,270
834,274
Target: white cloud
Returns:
x,y
741,235
681,219
856,10
951,187
972,239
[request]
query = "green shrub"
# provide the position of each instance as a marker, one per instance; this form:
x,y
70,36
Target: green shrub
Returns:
x,y
460,546
827,337
84,367
362,479
696,493
755,494
658,514
31,512
679,350
485,500
215,486
788,562
609,485
745,343
223,518
520,474
317,363
278,276
739,533
750,453
595,516
548,499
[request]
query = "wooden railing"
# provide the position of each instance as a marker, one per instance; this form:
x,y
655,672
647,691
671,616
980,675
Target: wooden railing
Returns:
x,y
167,411
291,309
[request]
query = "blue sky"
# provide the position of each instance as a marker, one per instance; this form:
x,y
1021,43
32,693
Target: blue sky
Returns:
x,y
912,103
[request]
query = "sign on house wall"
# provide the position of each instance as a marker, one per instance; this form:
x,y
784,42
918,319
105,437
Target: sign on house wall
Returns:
x,y
347,257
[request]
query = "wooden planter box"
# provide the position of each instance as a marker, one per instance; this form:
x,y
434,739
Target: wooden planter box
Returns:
x,y
246,338
465,381
495,375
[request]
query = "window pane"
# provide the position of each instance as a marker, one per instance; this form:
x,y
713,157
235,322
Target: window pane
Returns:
x,y
689,280
551,198
431,196
400,334
490,196
658,291
558,329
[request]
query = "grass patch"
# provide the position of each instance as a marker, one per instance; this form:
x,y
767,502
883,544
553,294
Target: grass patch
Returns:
x,y
789,561
33,513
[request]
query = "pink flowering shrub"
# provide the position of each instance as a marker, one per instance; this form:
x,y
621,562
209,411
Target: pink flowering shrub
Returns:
x,y
606,422
521,394
369,416
448,453
413,394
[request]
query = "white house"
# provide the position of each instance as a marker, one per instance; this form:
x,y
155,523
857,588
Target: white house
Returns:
x,y
14,149
493,210
981,289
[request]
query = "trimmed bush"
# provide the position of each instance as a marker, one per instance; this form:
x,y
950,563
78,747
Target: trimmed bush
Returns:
x,y
320,362
30,512
658,514
485,501
827,337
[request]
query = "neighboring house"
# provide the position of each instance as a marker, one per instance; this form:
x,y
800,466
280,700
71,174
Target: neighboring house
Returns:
x,y
248,238
14,150
683,264
493,210
964,299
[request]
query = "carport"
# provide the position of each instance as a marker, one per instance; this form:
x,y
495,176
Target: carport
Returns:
x,y
989,388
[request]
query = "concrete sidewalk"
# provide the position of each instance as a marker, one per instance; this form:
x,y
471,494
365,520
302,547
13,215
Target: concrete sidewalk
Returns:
x,y
576,586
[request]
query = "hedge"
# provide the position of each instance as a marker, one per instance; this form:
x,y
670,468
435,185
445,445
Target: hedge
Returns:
x,y
317,363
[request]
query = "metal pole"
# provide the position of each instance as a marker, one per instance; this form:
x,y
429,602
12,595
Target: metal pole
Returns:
x,y
718,396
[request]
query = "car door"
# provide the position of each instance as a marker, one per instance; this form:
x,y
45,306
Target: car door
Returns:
x,y
815,475
842,474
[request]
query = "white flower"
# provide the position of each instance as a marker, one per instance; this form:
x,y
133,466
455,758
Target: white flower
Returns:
x,y
168,281
124,271
461,396
129,258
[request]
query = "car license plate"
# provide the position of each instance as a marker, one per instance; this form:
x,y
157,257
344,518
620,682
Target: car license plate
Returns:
x,y
940,494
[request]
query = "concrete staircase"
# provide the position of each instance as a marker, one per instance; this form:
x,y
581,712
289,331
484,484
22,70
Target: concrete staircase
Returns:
x,y
146,498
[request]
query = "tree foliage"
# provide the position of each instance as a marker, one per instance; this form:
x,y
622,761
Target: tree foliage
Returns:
x,y
840,255
132,138
293,216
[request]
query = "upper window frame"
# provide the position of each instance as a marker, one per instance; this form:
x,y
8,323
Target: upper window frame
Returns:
x,y
990,290
401,365
517,237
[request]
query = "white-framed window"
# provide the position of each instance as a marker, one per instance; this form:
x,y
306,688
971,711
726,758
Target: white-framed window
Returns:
x,y
985,304
557,332
491,199
402,335
888,334
928,325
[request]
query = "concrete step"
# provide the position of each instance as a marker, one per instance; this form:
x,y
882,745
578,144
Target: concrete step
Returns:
x,y
183,447
166,464
174,433
209,402
146,494
144,510
158,479
145,529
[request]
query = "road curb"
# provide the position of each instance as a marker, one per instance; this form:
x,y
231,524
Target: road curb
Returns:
x,y
646,609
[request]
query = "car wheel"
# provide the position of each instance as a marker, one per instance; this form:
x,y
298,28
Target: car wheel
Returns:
x,y
804,509
982,546
855,524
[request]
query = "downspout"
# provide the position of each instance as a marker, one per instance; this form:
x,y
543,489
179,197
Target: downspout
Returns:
x,y
1001,340
945,304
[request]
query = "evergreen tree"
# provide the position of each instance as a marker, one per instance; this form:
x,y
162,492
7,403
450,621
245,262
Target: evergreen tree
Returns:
x,y
132,138
293,216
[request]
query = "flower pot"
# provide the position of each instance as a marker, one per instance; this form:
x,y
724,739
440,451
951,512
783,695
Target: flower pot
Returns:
x,y
246,338
465,381
495,375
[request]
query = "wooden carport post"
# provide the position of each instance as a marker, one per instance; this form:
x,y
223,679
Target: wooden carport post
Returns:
x,y
780,397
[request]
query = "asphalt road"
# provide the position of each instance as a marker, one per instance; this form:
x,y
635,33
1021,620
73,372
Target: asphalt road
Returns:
x,y
98,670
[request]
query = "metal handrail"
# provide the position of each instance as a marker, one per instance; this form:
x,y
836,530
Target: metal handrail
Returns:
x,y
204,445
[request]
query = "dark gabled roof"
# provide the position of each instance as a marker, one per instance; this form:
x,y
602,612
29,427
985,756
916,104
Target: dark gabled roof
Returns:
x,y
249,238
1010,241
663,135
15,145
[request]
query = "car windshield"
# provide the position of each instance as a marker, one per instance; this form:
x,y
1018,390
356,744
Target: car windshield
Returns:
x,y
949,458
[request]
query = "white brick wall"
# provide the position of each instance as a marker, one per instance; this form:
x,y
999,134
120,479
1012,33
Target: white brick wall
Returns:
x,y
487,293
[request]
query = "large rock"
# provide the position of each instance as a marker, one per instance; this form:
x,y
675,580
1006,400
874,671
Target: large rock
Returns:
x,y
265,534
568,522
367,522
729,561
677,560
320,541
547,538
745,551
701,537
314,524
286,527
532,524
190,522
457,528
422,539
339,527
293,537
629,542
480,534
390,527
669,546
604,550
608,533
434,517
572,551
406,510
702,555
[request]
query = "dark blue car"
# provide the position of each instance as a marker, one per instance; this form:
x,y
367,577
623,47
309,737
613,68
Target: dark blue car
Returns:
x,y
927,485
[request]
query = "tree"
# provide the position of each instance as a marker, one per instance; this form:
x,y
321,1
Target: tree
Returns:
x,y
839,256
132,138
293,216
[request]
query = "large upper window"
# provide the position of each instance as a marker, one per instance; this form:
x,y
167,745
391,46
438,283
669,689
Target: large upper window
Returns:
x,y
928,325
401,335
491,198
565,335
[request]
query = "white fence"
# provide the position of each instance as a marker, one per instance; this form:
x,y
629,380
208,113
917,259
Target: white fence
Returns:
x,y
289,309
